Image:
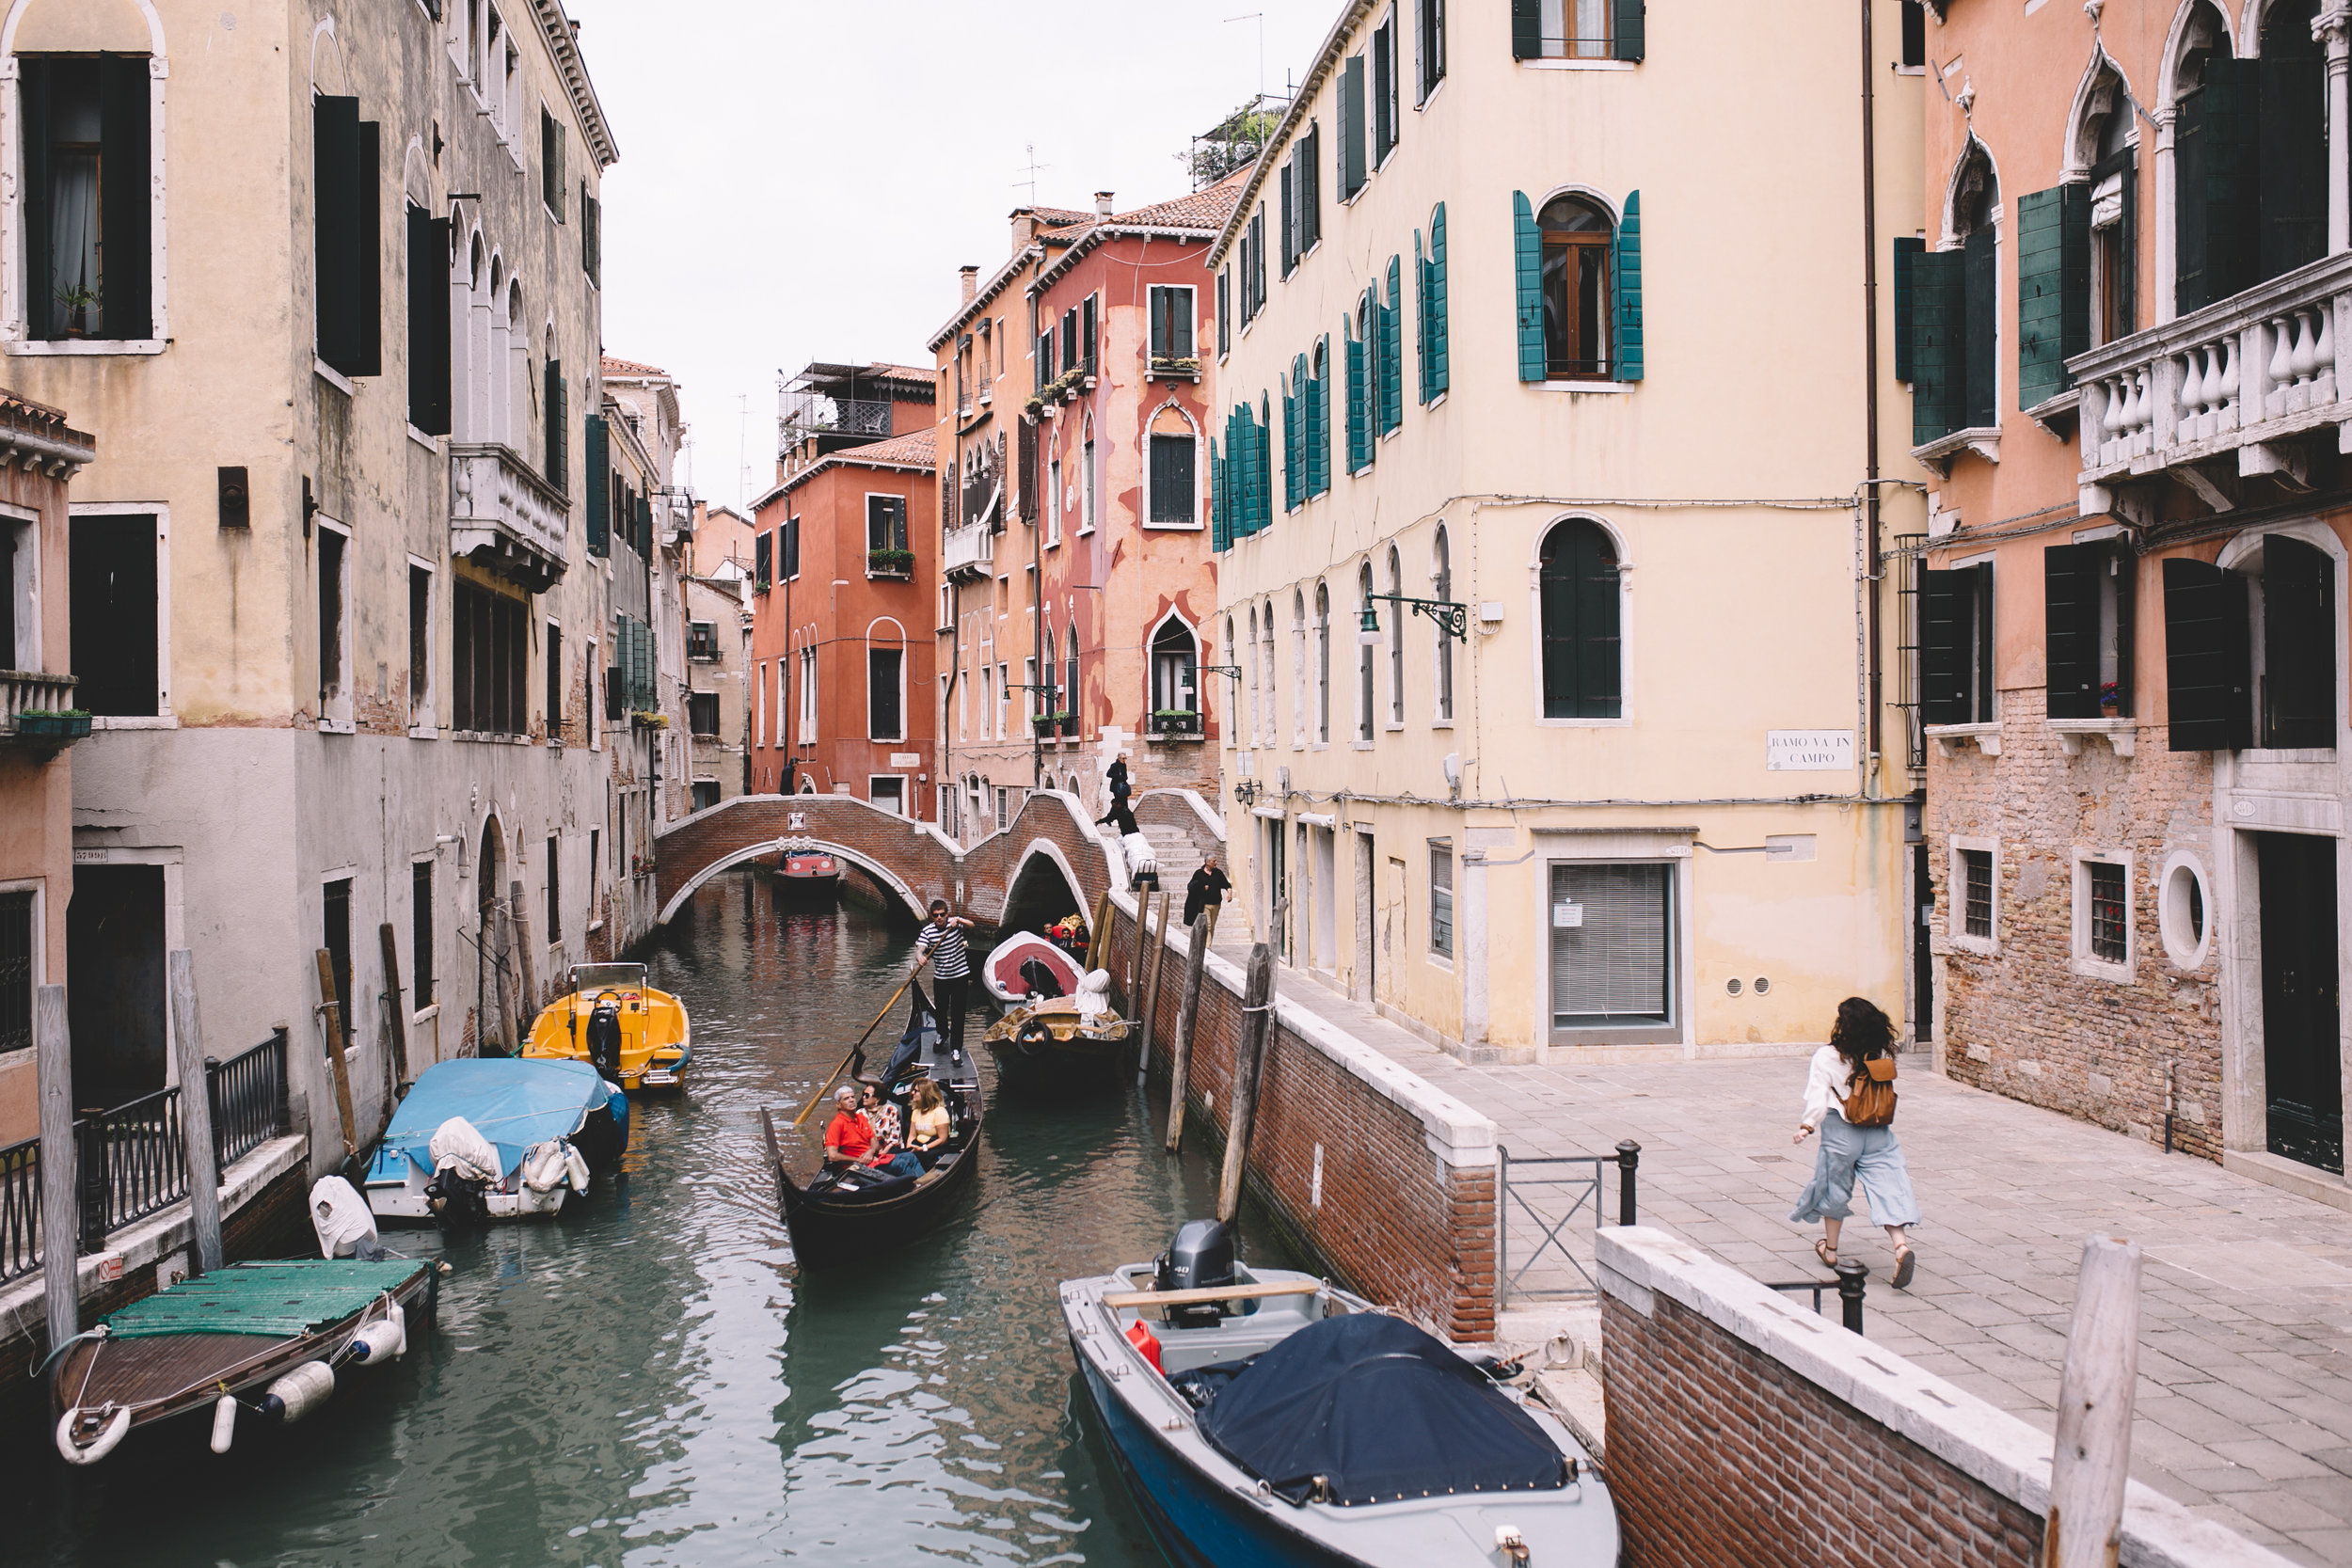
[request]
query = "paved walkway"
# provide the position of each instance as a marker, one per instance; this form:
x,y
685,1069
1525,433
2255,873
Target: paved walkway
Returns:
x,y
2245,1400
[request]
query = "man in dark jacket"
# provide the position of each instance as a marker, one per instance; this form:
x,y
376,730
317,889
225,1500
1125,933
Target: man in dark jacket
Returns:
x,y
1206,891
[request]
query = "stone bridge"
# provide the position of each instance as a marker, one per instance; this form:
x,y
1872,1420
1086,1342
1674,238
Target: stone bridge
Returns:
x,y
1048,859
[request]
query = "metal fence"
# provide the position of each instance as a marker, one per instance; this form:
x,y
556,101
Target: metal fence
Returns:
x,y
1550,1193
134,1157
1847,1287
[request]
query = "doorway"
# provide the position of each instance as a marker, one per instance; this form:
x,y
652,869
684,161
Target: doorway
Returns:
x,y
2302,1049
114,1005
1922,955
1361,986
1324,942
1278,890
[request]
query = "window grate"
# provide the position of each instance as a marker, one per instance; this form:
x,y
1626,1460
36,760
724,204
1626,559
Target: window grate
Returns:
x,y
2110,937
1977,895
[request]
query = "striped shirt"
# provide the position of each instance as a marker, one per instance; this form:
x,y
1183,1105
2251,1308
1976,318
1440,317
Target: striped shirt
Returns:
x,y
944,941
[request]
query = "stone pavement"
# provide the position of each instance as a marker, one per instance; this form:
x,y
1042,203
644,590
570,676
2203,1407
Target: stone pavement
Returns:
x,y
2245,1400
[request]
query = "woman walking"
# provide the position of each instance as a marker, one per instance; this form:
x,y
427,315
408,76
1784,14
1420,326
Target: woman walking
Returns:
x,y
1850,1100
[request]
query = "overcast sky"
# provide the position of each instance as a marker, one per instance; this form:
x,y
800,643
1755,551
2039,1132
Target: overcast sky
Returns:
x,y
799,181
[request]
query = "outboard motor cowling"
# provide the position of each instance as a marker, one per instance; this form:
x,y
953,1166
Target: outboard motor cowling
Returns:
x,y
604,1037
1201,1258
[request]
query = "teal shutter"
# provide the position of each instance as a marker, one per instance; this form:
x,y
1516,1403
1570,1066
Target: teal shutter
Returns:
x,y
1527,30
1352,127
2053,289
1625,40
1319,429
1357,443
1290,445
1439,374
1939,332
1529,247
1421,324
1265,474
600,498
1907,251
1393,350
1218,540
1627,285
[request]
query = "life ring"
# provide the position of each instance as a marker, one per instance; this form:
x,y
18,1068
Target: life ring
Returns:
x,y
105,1444
1033,1033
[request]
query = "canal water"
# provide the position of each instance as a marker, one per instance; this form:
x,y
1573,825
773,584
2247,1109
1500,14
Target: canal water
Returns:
x,y
650,1381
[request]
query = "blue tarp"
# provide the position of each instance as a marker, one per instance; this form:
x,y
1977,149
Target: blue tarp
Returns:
x,y
515,1101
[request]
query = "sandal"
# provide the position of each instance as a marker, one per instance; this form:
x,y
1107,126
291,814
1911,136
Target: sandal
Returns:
x,y
1826,1253
1904,1263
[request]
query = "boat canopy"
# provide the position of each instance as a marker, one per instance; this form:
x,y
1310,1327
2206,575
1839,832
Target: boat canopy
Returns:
x,y
280,1299
514,1101
1375,1410
614,977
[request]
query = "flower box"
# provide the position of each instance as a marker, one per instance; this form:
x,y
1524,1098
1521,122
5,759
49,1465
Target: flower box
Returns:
x,y
1174,722
889,564
36,726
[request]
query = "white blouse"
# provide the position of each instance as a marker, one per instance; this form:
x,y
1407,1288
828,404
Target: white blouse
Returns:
x,y
1825,1084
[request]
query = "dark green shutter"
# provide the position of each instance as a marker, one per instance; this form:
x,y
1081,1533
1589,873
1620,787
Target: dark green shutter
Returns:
x,y
1939,331
2291,137
1528,247
1291,452
599,496
1439,364
555,431
1527,30
1946,619
1420,323
2123,564
2208,654
1220,539
2070,621
1625,43
1626,281
428,322
591,236
1359,442
1578,584
2214,185
1979,283
2053,288
1907,251
645,527
1224,333
2126,285
1309,189
335,200
124,222
1393,350
2299,623
1352,127
1289,214
40,281
1319,427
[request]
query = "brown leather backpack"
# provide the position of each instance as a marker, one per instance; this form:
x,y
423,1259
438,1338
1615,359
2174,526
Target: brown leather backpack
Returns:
x,y
1871,1094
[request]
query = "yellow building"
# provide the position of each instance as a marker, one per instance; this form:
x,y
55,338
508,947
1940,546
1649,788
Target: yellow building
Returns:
x,y
1547,347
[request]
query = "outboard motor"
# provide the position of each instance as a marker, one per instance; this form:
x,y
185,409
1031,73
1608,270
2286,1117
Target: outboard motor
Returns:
x,y
1200,1258
457,1200
604,1037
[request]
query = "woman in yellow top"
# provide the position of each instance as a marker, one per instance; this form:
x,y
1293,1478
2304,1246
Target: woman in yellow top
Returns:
x,y
931,1126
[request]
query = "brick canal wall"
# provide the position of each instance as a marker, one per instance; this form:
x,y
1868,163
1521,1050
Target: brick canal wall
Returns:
x,y
1743,1428
1385,1179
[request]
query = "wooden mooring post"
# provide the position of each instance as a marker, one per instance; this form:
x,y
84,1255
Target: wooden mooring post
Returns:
x,y
526,967
398,1028
1154,958
60,1225
195,1109
1249,1048
338,1052
2092,1458
1099,939
1187,1021
495,919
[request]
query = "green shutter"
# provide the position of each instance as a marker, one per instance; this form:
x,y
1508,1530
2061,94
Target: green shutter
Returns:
x,y
2290,129
1907,250
1625,283
1939,330
1439,371
1420,323
125,205
1625,42
1947,617
1352,127
645,527
1265,473
1219,539
2053,289
1529,249
552,411
1527,30
1291,451
1393,350
1319,427
1357,443
1980,286
2208,657
600,499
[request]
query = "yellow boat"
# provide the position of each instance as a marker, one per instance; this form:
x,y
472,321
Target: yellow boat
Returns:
x,y
634,1035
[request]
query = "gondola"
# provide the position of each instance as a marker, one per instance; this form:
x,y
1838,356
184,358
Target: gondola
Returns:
x,y
842,1214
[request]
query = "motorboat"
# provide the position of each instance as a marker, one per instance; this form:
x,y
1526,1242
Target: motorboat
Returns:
x,y
637,1037
845,1212
1265,1416
1073,1040
808,871
497,1138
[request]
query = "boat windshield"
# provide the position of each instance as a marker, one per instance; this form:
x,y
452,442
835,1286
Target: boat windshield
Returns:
x,y
593,978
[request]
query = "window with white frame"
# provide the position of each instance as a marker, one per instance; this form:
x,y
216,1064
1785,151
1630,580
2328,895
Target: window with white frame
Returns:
x,y
2102,913
18,967
1086,482
1614,949
1396,641
1973,895
420,645
1174,470
116,569
333,589
1441,581
808,696
1441,897
759,707
1299,670
85,204
1170,309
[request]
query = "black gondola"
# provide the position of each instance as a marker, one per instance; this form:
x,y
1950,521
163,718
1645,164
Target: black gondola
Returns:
x,y
843,1213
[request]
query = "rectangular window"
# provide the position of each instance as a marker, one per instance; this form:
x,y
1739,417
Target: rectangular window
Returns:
x,y
1002,817
114,576
1429,46
16,970
884,709
555,681
588,678
1053,501
334,696
1383,90
1224,295
87,208
555,417
1976,869
555,890
702,640
789,566
2086,609
763,561
1085,488
1441,897
2295,644
1004,697
420,647
1352,160
1088,314
489,642
591,237
1915,33
759,710
20,596
808,695
428,322
421,934
706,794
346,202
1173,464
337,941
1612,945
552,181
1309,160
2107,884
1576,293
702,713
1287,211
1956,646
885,526
1172,322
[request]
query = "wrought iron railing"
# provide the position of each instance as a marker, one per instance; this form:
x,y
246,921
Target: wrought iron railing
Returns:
x,y
135,1160
249,1098
1583,1185
20,1207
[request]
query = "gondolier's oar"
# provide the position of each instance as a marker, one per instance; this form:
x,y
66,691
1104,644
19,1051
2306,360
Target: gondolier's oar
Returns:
x,y
820,1098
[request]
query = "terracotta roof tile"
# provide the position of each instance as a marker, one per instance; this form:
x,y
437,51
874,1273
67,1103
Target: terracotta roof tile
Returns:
x,y
630,367
915,447
1207,209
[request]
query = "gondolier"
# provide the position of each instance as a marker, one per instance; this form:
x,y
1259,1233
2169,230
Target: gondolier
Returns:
x,y
941,943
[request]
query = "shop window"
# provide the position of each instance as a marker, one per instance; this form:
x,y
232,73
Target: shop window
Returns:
x,y
1612,946
87,208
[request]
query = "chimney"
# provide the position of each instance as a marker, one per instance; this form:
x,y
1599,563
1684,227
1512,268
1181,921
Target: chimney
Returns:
x,y
1023,228
1103,204
971,276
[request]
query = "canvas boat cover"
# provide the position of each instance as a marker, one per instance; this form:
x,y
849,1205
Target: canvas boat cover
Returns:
x,y
1380,1411
512,1102
280,1300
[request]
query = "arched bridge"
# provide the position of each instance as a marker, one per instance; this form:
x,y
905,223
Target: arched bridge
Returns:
x,y
1050,839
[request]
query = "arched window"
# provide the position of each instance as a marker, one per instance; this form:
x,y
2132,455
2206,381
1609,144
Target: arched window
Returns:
x,y
1298,668
1175,678
2105,145
1362,384
1365,643
1577,238
1070,690
1265,658
1954,370
1232,646
1323,665
1257,719
1582,671
1441,582
518,394
886,681
1396,639
1175,469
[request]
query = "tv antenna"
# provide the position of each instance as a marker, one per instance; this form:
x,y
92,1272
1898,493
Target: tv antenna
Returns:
x,y
1258,17
1030,179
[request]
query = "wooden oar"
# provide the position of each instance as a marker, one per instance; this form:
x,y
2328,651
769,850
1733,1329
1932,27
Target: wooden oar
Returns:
x,y
837,1072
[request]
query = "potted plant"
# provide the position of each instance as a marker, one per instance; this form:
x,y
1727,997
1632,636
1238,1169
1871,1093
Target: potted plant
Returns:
x,y
650,720
1175,720
1035,407
1068,722
890,563
2110,700
79,299
1043,724
53,724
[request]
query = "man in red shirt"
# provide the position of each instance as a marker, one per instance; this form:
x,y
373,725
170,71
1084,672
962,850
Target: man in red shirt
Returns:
x,y
849,1137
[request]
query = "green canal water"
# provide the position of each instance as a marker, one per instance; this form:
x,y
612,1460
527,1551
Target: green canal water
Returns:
x,y
650,1381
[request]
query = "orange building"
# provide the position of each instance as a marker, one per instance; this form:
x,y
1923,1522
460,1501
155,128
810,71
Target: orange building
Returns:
x,y
843,550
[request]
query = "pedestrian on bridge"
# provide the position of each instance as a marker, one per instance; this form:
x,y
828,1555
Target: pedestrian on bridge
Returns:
x,y
1850,1100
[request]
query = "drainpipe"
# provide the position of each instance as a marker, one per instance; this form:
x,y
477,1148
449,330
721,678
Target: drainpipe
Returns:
x,y
1870,376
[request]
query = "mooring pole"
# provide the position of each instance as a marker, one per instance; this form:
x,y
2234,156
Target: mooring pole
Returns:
x,y
526,968
1099,939
61,1227
1153,962
195,1109
1187,1021
337,1051
1249,1040
399,1033
2092,1457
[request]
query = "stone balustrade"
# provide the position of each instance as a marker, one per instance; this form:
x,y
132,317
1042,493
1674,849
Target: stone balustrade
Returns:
x,y
969,549
504,515
24,691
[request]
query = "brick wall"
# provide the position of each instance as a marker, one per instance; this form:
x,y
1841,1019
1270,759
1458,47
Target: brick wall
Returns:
x,y
2021,1022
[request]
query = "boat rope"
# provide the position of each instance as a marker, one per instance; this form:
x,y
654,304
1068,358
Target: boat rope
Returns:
x,y
98,1333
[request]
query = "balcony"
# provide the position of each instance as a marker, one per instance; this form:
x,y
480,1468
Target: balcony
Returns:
x,y
36,709
2231,392
970,551
505,516
807,414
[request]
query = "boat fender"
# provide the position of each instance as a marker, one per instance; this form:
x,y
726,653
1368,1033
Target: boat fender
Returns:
x,y
299,1392
543,1166
224,1422
100,1447
577,1163
384,1340
1033,1034
1140,1335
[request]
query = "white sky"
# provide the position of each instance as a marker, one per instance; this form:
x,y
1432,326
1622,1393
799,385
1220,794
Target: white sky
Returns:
x,y
799,181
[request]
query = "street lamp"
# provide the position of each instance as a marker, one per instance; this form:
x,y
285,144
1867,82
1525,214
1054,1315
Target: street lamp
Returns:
x,y
1452,618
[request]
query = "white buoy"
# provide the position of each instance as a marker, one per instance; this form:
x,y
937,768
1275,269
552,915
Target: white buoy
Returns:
x,y
300,1391
384,1340
577,1165
100,1446
224,1422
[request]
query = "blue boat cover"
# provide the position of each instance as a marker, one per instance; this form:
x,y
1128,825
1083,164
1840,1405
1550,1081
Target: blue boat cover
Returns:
x,y
515,1101
1380,1411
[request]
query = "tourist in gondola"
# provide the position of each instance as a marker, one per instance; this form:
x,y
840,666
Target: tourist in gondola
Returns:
x,y
932,1127
889,1152
849,1137
941,945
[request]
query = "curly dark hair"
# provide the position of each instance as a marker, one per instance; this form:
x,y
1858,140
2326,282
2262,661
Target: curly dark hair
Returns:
x,y
1861,1032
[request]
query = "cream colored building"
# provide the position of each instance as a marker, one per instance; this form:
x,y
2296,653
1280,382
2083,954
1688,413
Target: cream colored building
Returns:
x,y
327,277
1561,328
